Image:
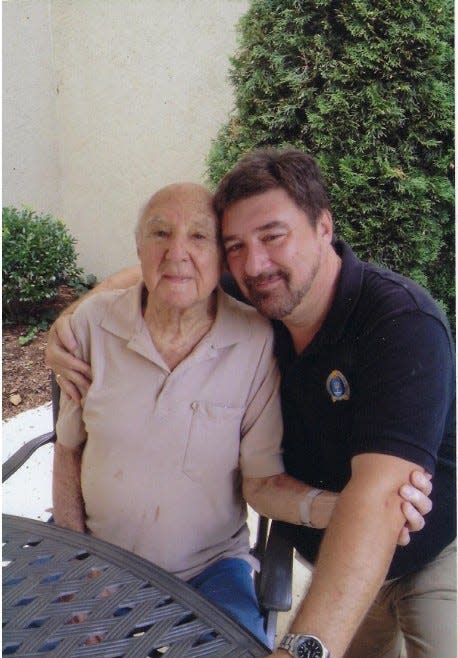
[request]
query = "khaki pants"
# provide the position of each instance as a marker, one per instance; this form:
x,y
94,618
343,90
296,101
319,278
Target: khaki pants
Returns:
x,y
420,607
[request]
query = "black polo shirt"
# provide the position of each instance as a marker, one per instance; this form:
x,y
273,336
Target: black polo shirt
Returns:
x,y
378,377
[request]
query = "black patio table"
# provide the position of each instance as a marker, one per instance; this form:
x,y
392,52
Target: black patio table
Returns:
x,y
71,595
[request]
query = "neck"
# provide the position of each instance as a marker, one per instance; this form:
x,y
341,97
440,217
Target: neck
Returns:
x,y
307,319
175,331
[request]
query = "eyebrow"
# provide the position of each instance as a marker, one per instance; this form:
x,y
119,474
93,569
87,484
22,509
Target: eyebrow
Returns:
x,y
264,227
200,223
156,219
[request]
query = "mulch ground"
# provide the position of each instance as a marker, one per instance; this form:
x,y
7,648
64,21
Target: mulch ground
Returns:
x,y
25,377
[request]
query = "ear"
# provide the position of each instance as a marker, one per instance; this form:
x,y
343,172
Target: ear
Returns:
x,y
325,226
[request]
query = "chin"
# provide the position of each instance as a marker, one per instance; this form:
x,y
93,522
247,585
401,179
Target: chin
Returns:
x,y
277,309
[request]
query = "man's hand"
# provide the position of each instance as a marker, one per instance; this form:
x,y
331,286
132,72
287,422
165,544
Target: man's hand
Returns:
x,y
417,504
73,375
279,497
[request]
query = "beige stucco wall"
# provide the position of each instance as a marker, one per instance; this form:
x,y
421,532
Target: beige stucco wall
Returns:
x,y
30,140
139,89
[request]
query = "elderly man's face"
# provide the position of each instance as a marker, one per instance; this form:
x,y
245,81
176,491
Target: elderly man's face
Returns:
x,y
178,248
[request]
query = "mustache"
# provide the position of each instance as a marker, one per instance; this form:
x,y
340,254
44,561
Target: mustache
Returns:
x,y
251,281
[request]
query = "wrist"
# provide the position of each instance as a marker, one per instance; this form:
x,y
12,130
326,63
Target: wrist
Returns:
x,y
322,509
303,646
306,505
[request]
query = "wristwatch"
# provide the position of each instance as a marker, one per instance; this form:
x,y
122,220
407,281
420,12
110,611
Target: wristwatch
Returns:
x,y
304,646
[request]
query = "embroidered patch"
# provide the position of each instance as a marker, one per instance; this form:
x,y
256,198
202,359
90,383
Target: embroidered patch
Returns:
x,y
337,386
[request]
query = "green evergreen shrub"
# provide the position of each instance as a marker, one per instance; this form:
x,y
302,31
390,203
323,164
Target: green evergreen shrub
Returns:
x,y
367,88
38,256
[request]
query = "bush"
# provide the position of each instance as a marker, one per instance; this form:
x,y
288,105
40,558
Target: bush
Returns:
x,y
38,257
367,88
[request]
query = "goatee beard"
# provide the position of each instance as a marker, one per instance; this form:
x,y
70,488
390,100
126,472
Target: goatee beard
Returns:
x,y
280,302
273,304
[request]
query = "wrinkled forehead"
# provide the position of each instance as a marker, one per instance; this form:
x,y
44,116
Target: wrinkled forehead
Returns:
x,y
181,204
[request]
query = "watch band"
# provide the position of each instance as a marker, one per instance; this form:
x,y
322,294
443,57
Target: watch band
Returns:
x,y
305,507
287,643
294,642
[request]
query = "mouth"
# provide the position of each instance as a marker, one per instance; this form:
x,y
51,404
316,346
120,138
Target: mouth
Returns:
x,y
264,282
176,278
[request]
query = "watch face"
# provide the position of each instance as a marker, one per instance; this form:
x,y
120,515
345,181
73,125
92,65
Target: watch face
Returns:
x,y
309,648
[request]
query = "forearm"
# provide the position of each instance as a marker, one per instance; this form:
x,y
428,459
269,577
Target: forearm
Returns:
x,y
68,503
353,562
280,497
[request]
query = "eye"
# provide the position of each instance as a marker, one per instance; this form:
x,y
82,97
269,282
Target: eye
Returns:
x,y
233,248
271,237
160,233
199,236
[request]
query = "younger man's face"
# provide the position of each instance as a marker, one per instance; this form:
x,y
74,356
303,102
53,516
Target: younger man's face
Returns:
x,y
273,251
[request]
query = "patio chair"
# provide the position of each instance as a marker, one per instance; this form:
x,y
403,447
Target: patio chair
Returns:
x,y
273,583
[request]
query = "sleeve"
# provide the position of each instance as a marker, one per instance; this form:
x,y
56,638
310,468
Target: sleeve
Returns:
x,y
262,427
70,428
404,389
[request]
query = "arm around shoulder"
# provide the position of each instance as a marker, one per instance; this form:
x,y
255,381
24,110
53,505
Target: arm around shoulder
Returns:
x,y
74,374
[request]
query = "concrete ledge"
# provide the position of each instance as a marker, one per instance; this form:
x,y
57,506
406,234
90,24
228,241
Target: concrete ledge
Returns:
x,y
28,491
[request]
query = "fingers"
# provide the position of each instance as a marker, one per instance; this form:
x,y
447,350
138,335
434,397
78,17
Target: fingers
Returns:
x,y
64,333
417,498
69,389
422,481
74,390
73,375
71,367
63,362
404,537
414,520
59,355
414,523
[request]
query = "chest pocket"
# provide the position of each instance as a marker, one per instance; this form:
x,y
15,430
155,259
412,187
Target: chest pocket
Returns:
x,y
214,441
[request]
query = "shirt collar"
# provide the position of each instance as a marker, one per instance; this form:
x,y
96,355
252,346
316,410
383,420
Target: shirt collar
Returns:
x,y
123,317
348,291
232,325
347,294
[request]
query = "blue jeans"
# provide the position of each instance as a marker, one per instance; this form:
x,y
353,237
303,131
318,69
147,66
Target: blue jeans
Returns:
x,y
229,585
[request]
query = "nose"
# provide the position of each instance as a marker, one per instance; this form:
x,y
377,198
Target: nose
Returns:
x,y
256,260
177,248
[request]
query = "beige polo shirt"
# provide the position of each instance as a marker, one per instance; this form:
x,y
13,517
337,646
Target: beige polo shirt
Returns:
x,y
164,450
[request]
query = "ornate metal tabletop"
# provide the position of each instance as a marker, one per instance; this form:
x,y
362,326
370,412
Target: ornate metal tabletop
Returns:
x,y
71,595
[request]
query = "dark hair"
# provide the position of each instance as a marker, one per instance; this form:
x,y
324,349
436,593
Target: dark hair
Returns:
x,y
265,169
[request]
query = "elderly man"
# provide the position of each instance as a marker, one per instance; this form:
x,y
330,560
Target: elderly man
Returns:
x,y
279,496
183,404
